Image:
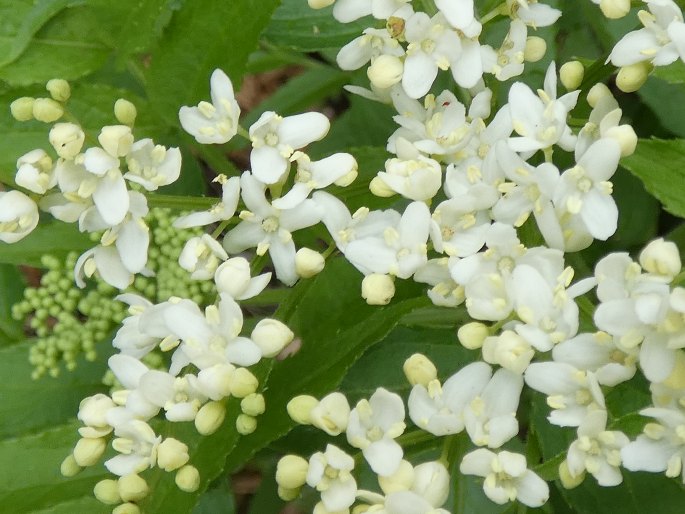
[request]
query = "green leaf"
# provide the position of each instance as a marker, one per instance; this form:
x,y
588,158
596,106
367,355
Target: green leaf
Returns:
x,y
296,25
667,101
143,26
195,44
660,165
54,238
12,287
673,73
217,500
66,47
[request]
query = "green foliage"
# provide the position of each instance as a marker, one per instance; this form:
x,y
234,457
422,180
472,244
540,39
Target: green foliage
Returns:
x,y
11,285
54,238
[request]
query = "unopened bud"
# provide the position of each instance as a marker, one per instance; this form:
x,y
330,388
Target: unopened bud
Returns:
x,y
300,408
308,262
67,139
472,335
188,479
571,74
385,71
125,112
419,369
47,110
348,178
320,4
631,78
596,93
88,451
432,482
271,336
378,289
59,89
288,495
116,140
253,404
378,187
331,414
676,380
243,383
172,454
132,488
107,491
567,480
210,417
661,258
291,472
245,424
69,467
400,480
535,49
614,9
626,138
126,508
22,108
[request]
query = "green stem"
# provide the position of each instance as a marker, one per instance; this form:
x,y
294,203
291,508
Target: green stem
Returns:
x,y
180,203
497,11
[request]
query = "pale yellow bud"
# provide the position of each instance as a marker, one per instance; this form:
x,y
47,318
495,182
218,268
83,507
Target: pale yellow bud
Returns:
x,y
172,454
243,383
126,508
67,139
300,408
378,289
69,467
614,9
107,491
308,262
188,479
116,139
210,417
47,110
320,4
125,112
385,71
271,336
88,451
288,495
535,49
400,480
59,89
571,74
419,369
626,138
596,93
379,188
331,414
245,424
676,380
568,480
22,108
132,488
253,404
631,78
291,472
661,258
472,335
348,178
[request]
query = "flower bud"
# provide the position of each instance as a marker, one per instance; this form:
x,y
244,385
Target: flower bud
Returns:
x,y
245,424
107,491
87,451
271,336
126,508
125,112
400,480
116,140
596,93
331,414
308,263
22,108
59,89
631,78
320,4
300,408
291,472
614,9
661,258
385,71
47,110
472,335
626,138
132,488
233,276
188,479
348,178
535,49
253,404
288,495
378,187
676,380
19,215
243,383
419,369
69,467
567,480
432,482
378,289
172,454
210,417
571,74
67,139
34,172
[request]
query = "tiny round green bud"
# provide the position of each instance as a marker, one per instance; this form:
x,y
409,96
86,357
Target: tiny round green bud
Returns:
x,y
188,479
245,424
107,491
47,110
125,111
22,108
132,487
59,89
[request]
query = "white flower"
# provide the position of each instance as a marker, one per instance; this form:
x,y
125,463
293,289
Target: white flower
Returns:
x,y
92,413
137,443
233,278
445,291
223,210
18,216
217,122
533,13
275,139
371,44
412,175
201,256
331,474
460,226
374,425
35,172
461,15
506,477
507,62
152,165
130,339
